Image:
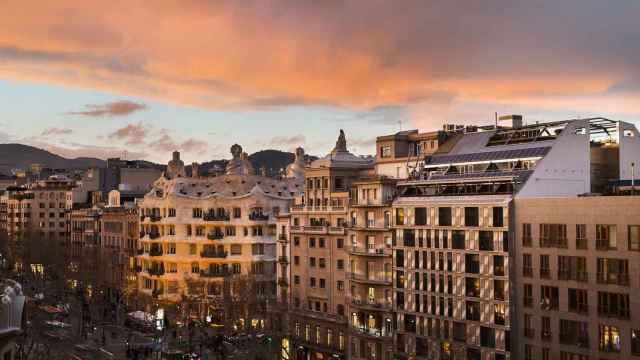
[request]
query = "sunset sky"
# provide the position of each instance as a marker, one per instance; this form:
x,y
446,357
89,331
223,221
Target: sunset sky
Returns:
x,y
98,78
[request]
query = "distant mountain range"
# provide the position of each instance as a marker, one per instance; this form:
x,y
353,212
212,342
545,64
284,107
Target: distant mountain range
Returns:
x,y
19,156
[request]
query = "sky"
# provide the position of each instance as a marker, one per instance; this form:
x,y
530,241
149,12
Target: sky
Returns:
x,y
138,79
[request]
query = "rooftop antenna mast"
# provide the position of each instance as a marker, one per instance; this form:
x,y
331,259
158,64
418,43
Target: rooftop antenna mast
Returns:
x,y
400,125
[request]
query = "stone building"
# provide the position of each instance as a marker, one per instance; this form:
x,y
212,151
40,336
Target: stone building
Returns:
x,y
201,236
314,236
577,270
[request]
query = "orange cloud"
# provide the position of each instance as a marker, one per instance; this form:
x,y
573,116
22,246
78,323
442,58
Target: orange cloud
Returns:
x,y
359,54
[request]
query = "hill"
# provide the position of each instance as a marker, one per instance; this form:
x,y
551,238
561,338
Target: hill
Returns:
x,y
19,156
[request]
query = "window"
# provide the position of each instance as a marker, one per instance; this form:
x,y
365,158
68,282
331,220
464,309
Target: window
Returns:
x,y
499,314
321,263
172,248
498,216
527,267
578,301
545,324
193,249
312,282
634,237
296,260
581,236
340,243
526,235
236,249
609,338
472,287
458,239
528,295
409,237
471,216
613,271
444,216
498,265
385,151
420,216
195,268
296,241
572,268
459,331
399,216
545,272
613,305
340,285
486,240
635,341
499,290
473,311
553,235
322,283
472,263
312,242
548,297
574,333
487,337
606,237
340,264
296,279
312,262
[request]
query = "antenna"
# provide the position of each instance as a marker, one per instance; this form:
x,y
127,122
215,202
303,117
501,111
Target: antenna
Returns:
x,y
400,125
496,117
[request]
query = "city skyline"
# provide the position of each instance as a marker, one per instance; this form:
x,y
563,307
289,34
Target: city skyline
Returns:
x,y
99,81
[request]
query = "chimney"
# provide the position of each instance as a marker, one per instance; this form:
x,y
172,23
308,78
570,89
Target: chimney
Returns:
x,y
195,170
510,121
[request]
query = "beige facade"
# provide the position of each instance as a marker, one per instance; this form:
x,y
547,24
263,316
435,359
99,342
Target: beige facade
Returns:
x,y
369,278
400,153
41,208
451,277
319,261
577,267
200,233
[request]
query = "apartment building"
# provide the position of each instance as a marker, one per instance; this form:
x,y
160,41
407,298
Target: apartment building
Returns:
x,y
86,226
453,263
40,208
577,274
397,155
200,234
369,277
317,283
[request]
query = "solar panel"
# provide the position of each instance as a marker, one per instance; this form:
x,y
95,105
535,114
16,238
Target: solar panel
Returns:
x,y
487,156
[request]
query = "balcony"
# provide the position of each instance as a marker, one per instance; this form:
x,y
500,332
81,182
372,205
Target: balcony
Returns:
x,y
604,245
283,259
215,217
258,217
336,230
581,276
613,278
372,304
371,279
155,251
362,251
214,274
373,332
315,229
155,218
159,271
215,236
213,254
